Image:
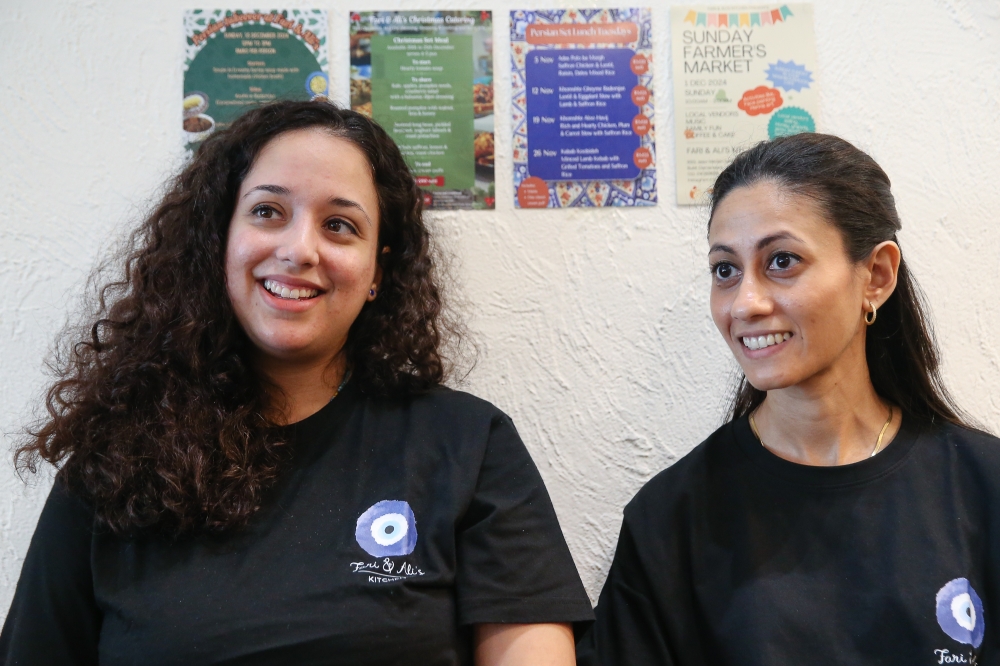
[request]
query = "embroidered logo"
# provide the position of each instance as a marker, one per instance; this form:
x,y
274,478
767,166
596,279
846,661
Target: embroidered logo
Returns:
x,y
960,612
387,528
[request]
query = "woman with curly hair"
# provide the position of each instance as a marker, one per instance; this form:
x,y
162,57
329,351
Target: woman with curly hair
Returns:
x,y
257,460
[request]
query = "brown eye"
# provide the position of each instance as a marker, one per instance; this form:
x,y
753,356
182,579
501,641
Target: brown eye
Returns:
x,y
723,271
339,226
783,261
264,212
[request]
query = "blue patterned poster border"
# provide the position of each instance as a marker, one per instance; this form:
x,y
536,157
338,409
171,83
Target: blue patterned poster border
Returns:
x,y
533,191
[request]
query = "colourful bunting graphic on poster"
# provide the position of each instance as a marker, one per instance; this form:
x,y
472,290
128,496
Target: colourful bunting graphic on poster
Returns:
x,y
740,76
738,19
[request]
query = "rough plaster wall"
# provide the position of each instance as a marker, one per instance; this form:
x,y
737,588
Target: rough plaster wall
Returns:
x,y
592,325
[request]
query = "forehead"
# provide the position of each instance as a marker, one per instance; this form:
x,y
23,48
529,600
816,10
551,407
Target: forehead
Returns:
x,y
752,212
313,159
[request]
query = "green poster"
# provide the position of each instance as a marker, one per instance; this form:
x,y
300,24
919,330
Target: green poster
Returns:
x,y
427,78
238,59
414,84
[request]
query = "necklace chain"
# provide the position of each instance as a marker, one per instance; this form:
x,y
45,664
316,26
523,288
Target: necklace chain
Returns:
x,y
878,442
343,383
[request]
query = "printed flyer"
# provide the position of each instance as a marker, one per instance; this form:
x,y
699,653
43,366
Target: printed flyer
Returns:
x,y
582,86
427,78
234,59
741,75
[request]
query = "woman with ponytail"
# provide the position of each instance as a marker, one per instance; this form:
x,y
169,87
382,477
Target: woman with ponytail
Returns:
x,y
846,513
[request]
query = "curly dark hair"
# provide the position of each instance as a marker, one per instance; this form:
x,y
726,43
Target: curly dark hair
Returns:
x,y
158,417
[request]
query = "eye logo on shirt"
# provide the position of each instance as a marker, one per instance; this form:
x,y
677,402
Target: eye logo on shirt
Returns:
x,y
388,528
960,612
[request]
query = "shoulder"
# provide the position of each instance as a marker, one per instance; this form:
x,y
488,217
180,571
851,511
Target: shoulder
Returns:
x,y
442,402
444,398
66,510
977,450
441,415
975,442
710,462
64,531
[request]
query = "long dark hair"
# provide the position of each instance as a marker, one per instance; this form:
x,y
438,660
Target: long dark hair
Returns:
x,y
157,416
854,193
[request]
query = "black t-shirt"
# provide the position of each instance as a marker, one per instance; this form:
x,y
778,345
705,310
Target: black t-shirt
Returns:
x,y
398,526
736,556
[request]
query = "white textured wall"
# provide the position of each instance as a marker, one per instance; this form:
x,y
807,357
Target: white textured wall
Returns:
x,y
593,325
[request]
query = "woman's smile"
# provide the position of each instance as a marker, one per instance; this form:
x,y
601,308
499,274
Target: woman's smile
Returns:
x,y
764,341
280,288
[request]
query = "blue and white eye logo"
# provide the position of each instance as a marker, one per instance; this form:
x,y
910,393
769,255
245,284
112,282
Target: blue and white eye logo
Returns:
x,y
960,612
387,528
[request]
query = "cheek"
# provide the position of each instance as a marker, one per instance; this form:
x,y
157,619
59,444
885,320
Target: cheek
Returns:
x,y
351,268
243,252
719,304
823,321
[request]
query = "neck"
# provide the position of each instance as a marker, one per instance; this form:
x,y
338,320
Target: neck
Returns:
x,y
832,419
303,387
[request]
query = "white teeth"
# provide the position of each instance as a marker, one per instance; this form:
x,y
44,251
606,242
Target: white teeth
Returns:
x,y
285,292
762,341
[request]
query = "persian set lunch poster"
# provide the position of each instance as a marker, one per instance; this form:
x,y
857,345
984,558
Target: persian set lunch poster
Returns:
x,y
427,78
741,75
582,87
236,59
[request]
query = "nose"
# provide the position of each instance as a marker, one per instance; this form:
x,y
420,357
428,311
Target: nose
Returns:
x,y
299,244
752,299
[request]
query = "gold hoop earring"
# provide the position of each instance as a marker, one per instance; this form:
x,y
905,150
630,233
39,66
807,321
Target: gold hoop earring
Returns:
x,y
873,314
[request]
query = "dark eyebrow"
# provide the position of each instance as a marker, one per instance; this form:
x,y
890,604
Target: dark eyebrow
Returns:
x,y
761,244
782,235
347,203
273,189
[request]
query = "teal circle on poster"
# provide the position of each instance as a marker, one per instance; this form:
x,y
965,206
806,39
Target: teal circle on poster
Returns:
x,y
248,65
790,120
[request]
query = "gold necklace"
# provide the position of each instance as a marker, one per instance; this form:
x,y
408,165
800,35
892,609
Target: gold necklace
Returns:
x,y
878,442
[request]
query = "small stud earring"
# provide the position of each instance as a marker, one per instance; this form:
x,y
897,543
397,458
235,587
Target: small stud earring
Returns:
x,y
371,292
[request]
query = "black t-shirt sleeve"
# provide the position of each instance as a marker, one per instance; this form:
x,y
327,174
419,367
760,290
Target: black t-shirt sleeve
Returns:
x,y
629,627
54,618
513,562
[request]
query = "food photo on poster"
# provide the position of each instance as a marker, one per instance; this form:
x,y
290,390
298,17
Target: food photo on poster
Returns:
x,y
235,59
741,75
427,78
582,90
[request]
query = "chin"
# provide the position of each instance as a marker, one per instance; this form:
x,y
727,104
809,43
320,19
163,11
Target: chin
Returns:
x,y
285,348
769,382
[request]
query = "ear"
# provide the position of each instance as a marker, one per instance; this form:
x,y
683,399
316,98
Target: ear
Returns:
x,y
377,277
883,268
